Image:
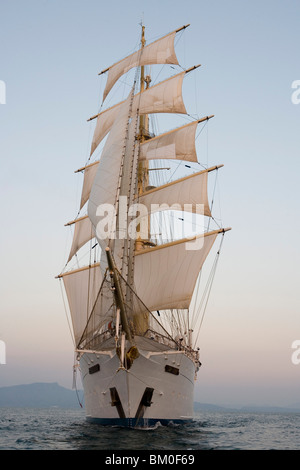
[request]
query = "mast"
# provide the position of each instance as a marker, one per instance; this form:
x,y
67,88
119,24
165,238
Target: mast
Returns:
x,y
143,166
143,174
118,295
142,83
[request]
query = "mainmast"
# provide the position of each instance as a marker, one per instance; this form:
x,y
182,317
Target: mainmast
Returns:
x,y
143,166
142,84
143,174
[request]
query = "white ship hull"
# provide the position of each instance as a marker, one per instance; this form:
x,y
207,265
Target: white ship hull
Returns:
x,y
158,387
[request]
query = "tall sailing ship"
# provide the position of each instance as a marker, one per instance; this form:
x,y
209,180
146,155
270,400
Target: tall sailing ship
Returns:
x,y
134,304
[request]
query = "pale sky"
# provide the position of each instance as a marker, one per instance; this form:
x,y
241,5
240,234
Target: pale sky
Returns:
x,y
51,53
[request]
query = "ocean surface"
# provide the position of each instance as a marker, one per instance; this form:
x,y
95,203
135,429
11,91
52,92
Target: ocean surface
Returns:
x,y
57,429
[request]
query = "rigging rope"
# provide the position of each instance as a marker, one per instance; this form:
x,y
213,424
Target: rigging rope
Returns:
x,y
208,287
64,303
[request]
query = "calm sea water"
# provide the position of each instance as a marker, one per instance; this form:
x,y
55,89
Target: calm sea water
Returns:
x,y
56,429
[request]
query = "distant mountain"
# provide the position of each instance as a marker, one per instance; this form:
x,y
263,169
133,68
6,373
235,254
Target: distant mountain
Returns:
x,y
271,409
38,395
47,395
208,407
202,407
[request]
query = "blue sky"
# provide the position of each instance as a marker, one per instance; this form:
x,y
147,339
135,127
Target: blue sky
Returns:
x,y
51,53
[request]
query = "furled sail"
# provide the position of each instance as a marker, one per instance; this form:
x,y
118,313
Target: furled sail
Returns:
x,y
165,97
165,276
159,52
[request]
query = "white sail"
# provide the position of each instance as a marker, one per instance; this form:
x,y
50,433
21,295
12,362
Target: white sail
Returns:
x,y
89,176
159,52
106,183
82,234
189,194
176,144
165,276
104,123
165,97
124,245
82,287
